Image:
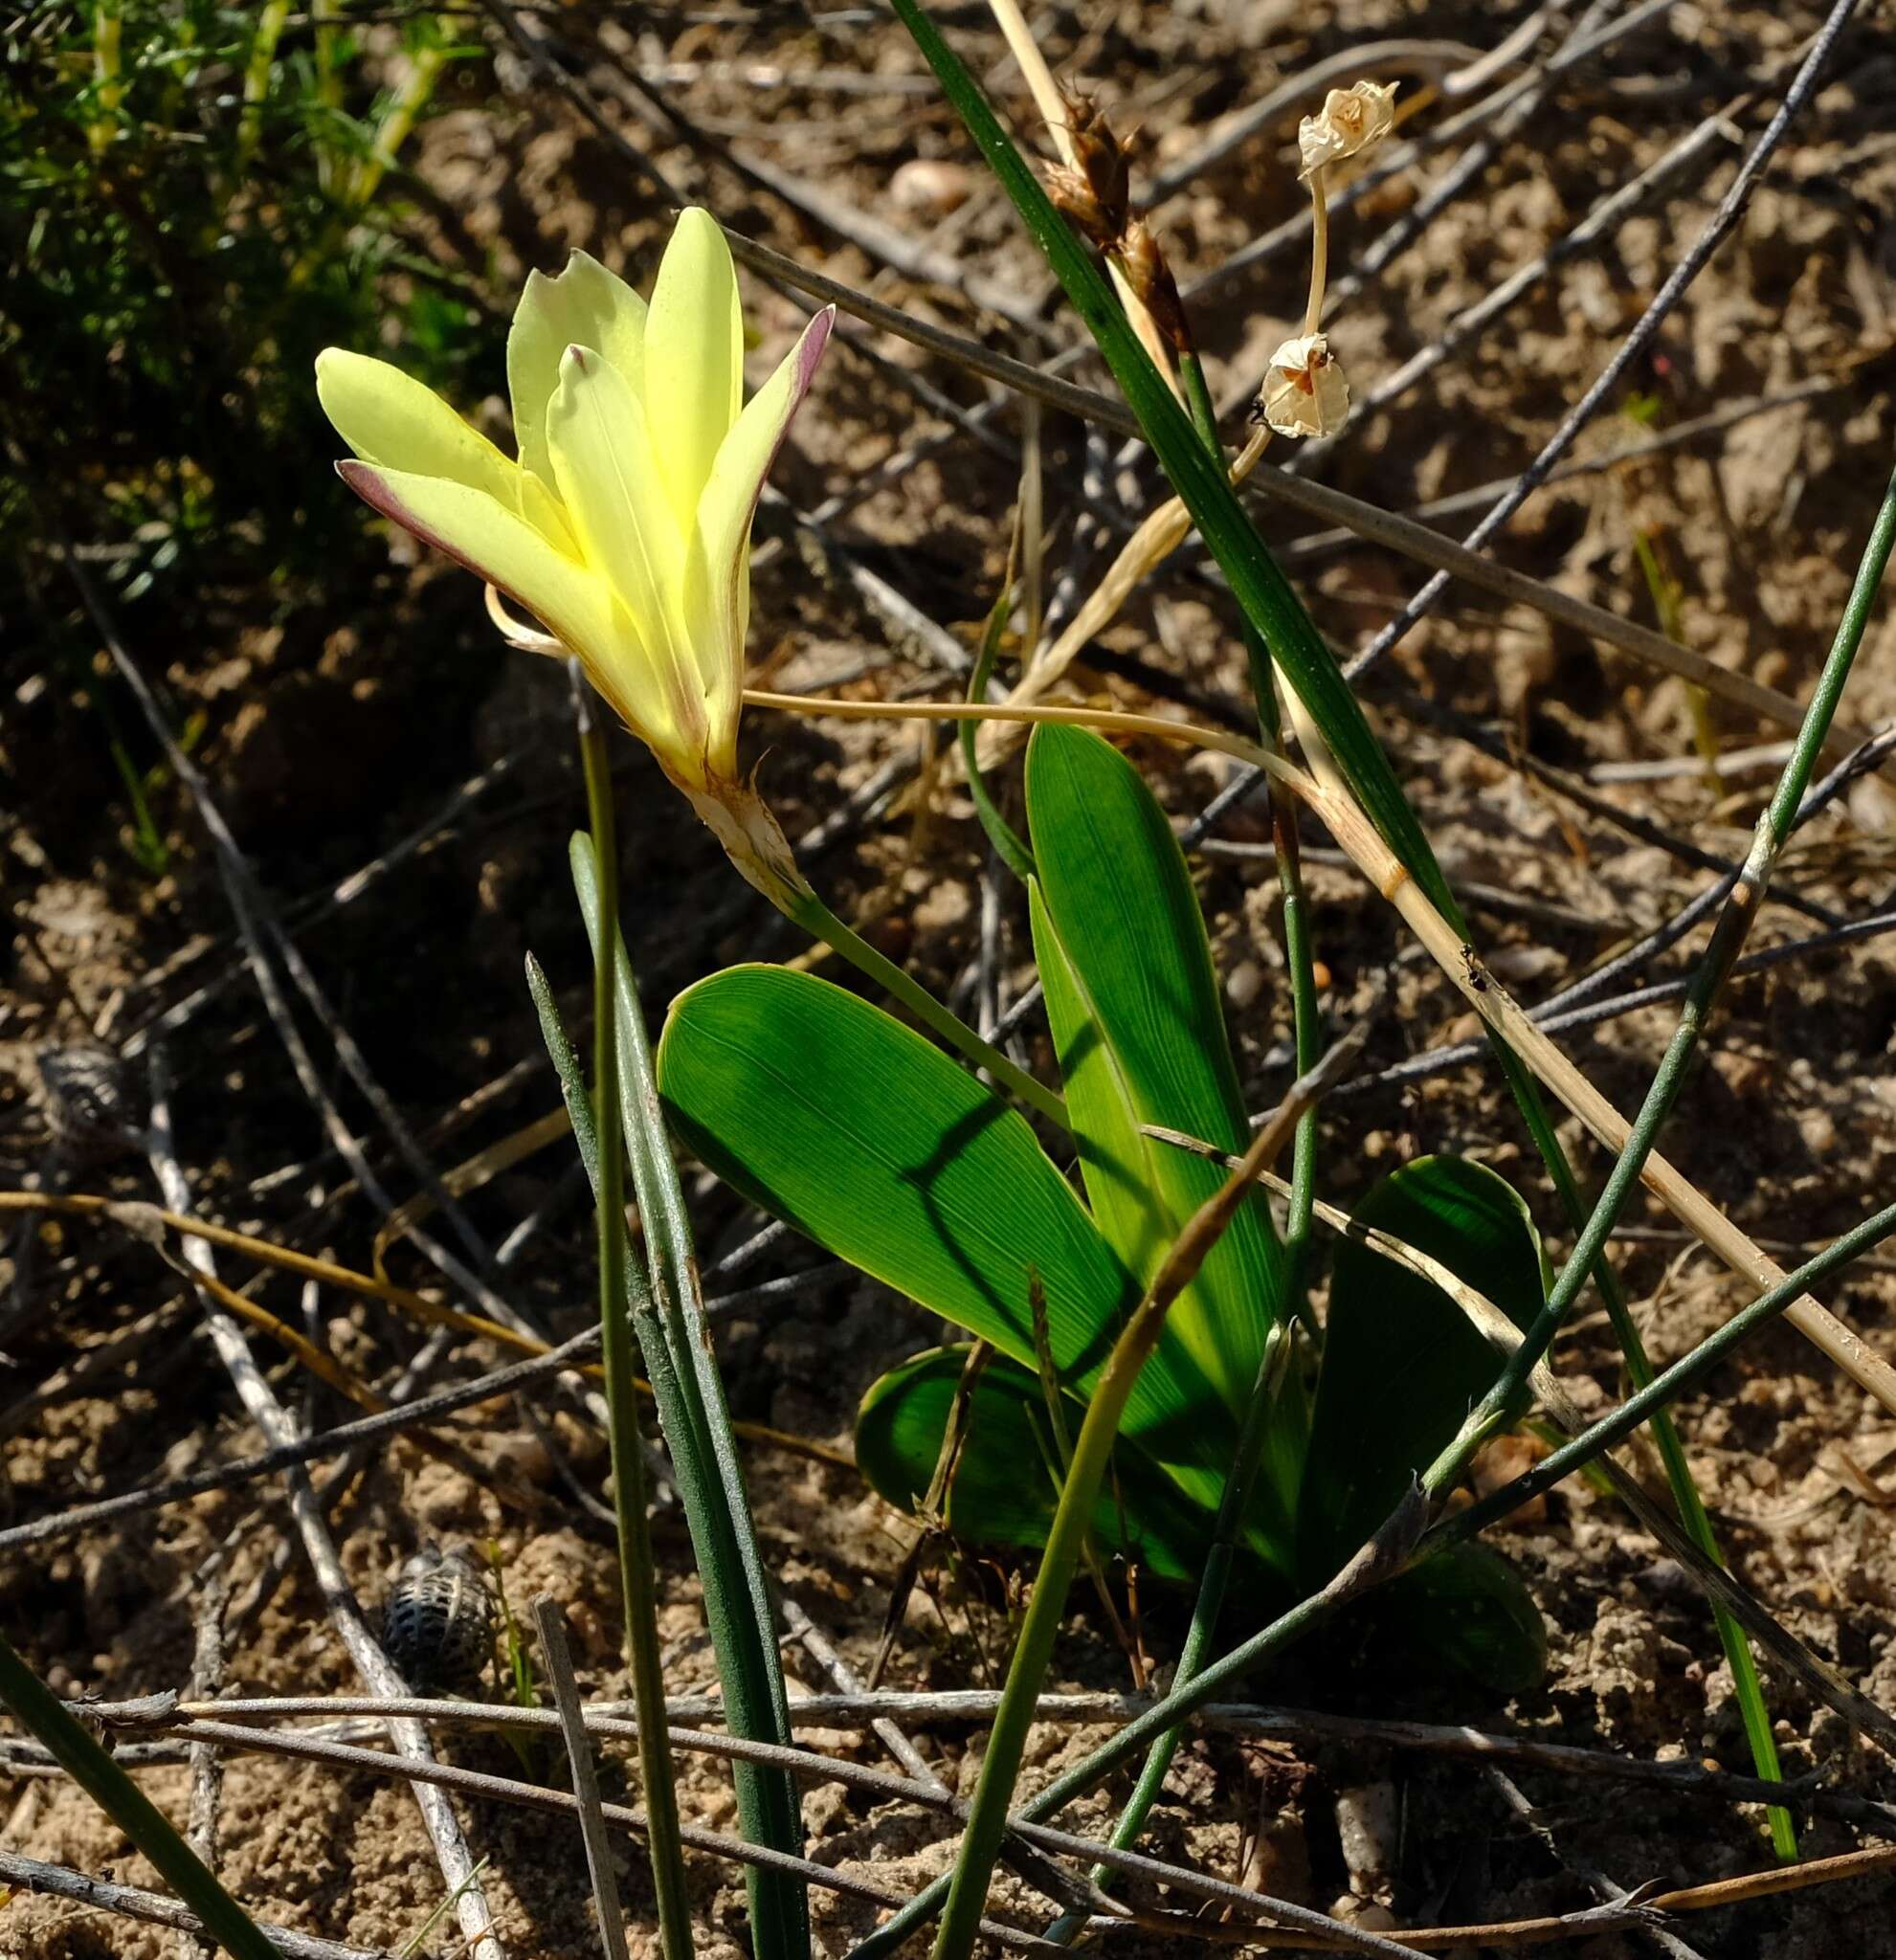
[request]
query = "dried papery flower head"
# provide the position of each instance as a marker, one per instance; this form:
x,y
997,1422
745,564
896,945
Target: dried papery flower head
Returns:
x,y
1305,393
1350,120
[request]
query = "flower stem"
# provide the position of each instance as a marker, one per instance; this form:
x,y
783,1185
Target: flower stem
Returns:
x,y
637,1572
1313,311
807,910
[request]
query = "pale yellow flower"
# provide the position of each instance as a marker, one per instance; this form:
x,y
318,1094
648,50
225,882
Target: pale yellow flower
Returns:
x,y
624,526
1305,393
1350,122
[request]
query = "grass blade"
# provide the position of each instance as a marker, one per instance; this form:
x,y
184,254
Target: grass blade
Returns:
x,y
675,1341
1009,845
636,1574
41,1711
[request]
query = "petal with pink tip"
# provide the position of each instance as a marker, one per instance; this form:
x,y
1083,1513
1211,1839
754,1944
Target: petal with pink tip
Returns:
x,y
481,533
717,571
389,418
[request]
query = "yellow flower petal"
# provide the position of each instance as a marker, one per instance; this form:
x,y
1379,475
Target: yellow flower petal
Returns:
x,y
480,532
694,358
717,577
585,306
387,418
608,482
541,507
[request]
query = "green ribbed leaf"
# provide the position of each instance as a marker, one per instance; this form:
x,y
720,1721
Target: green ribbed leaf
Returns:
x,y
835,1117
1470,1611
1402,1363
1136,1019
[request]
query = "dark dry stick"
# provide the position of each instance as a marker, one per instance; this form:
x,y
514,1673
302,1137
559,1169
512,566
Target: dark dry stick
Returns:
x,y
1468,563
1681,1777
129,1901
1567,1008
1416,707
1608,1890
557,1658
334,1443
1732,208
301,916
1589,1013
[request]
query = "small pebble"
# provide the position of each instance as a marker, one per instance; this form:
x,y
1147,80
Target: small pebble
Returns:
x,y
1243,984
1369,1828
930,185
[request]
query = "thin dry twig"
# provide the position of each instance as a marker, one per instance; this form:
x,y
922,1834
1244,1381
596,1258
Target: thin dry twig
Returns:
x,y
1607,1891
378,1674
556,1656
1606,383
153,1908
293,1452
958,1707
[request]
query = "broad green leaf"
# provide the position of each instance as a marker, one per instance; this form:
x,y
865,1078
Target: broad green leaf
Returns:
x,y
1116,1163
1402,1363
1006,1479
1470,1609
1138,982
835,1117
